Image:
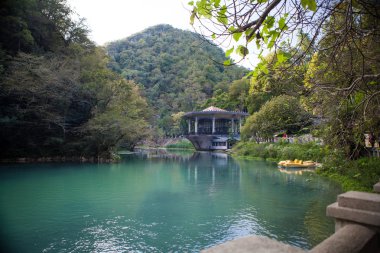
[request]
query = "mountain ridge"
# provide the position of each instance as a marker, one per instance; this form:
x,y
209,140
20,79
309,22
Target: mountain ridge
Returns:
x,y
176,69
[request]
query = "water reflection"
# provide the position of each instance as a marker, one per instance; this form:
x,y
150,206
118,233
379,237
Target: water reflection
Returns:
x,y
282,204
296,171
159,153
160,201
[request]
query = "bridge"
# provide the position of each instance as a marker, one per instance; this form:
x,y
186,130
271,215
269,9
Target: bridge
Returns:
x,y
214,128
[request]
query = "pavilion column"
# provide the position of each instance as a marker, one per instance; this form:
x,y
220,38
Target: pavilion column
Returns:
x,y
196,125
240,125
189,124
213,124
232,126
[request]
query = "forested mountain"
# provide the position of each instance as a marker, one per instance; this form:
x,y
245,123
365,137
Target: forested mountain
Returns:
x,y
178,70
57,96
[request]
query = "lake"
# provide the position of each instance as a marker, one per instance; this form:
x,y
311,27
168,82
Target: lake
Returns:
x,y
159,201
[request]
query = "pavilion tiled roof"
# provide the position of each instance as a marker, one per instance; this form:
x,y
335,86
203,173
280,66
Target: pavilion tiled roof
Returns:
x,y
213,109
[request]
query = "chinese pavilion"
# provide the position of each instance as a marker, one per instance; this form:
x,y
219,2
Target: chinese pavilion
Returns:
x,y
214,128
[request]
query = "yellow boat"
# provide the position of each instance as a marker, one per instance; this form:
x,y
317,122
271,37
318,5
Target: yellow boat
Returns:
x,y
296,164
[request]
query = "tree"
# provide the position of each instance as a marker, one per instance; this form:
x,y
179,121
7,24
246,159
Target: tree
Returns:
x,y
119,115
179,123
345,85
277,78
276,24
32,26
174,67
282,113
57,96
238,93
234,98
122,122
341,83
260,22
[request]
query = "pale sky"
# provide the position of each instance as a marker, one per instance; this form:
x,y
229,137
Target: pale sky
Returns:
x,y
117,19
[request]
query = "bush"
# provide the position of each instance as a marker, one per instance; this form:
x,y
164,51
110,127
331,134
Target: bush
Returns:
x,y
183,144
281,151
359,175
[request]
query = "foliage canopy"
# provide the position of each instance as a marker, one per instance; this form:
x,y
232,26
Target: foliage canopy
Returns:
x,y
57,96
178,71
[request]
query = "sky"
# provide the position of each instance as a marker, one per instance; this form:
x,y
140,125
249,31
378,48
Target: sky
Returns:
x,y
116,19
112,20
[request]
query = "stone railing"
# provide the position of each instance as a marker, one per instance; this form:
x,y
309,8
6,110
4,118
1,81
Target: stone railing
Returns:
x,y
357,229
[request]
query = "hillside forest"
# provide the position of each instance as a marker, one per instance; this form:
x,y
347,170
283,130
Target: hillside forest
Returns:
x,y
57,95
177,71
61,95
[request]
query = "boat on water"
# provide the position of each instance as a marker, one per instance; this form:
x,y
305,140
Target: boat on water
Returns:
x,y
297,164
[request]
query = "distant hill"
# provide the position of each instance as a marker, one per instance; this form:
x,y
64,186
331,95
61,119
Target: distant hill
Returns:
x,y
177,69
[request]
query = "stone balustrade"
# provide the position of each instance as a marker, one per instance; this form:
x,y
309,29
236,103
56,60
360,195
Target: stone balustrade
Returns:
x,y
357,229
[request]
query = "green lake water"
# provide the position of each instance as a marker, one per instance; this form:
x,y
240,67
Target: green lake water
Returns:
x,y
159,202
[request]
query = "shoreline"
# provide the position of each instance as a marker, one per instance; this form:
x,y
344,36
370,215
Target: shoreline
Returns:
x,y
346,182
56,159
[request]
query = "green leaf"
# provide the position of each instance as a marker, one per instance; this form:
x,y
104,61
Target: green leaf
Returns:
x,y
248,31
248,75
217,3
258,44
372,83
266,39
222,18
264,69
281,58
213,36
191,3
192,17
227,62
242,51
270,40
269,21
237,36
229,51
282,23
312,5
304,3
203,8
359,97
271,43
250,39
265,30
309,4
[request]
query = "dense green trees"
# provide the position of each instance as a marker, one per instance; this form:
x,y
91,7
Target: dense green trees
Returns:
x,y
333,67
344,77
57,96
177,70
233,97
282,113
